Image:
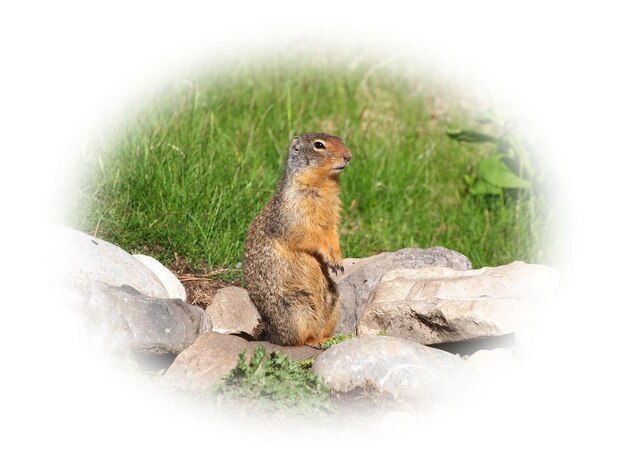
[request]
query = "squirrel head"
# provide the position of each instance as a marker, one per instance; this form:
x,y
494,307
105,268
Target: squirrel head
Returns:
x,y
323,154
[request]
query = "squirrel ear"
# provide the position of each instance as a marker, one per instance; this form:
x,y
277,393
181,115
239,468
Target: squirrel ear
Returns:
x,y
295,144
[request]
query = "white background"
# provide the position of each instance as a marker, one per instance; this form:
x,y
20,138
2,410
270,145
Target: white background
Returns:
x,y
69,68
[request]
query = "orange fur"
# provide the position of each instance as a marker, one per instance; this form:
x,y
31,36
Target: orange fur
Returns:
x,y
321,215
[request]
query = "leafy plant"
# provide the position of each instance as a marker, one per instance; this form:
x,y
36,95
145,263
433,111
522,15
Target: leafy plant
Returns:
x,y
509,166
275,380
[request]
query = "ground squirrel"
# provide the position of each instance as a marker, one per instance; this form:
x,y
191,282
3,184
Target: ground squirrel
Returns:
x,y
294,242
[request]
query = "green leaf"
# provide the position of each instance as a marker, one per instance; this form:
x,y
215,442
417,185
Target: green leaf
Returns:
x,y
469,179
495,172
482,188
470,135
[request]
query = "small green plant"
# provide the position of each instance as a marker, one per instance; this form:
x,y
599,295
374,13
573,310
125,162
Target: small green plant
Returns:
x,y
275,381
382,333
336,340
508,168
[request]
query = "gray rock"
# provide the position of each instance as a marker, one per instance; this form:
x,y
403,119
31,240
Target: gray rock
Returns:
x,y
174,288
232,309
400,368
83,260
213,355
355,289
437,305
135,322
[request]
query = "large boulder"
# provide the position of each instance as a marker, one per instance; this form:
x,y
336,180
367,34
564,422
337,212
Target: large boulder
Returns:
x,y
232,309
132,321
355,288
399,368
213,355
83,260
438,305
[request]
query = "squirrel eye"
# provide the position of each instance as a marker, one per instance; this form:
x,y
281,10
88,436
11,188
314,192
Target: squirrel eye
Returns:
x,y
319,145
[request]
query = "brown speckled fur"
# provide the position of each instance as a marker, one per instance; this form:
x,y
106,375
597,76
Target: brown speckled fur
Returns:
x,y
294,242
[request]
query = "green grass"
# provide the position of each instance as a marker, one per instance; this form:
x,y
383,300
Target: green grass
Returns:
x,y
188,172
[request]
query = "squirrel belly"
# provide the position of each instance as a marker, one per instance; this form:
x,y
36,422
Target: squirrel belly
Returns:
x,y
293,245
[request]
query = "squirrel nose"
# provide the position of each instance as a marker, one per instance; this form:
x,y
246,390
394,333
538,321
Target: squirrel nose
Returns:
x,y
347,157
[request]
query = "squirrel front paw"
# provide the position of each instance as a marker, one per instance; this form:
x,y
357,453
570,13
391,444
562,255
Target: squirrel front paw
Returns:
x,y
336,266
333,260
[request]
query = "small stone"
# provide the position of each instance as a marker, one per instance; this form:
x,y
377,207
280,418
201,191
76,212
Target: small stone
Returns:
x,y
232,309
213,355
438,305
355,288
401,368
174,288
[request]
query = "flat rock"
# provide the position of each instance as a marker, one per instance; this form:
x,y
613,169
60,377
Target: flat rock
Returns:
x,y
139,323
83,260
232,309
437,305
213,355
400,368
355,288
174,288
